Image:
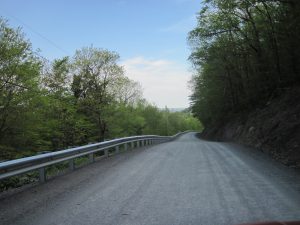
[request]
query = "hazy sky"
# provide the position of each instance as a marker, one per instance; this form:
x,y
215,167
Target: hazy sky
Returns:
x,y
149,35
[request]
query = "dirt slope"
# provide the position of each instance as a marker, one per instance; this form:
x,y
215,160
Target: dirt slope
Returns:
x,y
274,128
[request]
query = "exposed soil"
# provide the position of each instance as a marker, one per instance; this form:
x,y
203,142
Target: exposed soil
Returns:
x,y
273,128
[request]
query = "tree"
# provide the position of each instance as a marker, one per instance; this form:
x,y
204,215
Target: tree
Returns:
x,y
56,79
126,91
95,74
64,126
19,83
242,54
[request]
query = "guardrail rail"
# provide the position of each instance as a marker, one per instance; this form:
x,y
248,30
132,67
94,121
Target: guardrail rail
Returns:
x,y
40,162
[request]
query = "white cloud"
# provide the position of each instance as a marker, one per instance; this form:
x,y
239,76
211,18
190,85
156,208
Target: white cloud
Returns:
x,y
164,82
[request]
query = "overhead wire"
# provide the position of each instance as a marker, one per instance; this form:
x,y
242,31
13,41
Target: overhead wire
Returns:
x,y
36,32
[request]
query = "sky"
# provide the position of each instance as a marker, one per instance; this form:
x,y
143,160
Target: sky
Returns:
x,y
149,35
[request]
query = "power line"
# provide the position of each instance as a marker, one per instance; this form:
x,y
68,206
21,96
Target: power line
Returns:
x,y
38,34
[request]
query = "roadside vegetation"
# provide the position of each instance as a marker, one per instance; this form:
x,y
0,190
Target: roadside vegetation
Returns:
x,y
245,53
72,101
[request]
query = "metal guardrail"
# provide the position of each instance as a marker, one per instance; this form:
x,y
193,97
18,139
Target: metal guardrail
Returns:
x,y
40,162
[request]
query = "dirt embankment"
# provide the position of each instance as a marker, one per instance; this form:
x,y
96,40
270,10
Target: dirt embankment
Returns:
x,y
274,128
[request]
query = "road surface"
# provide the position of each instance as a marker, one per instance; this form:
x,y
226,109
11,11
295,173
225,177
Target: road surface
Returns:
x,y
184,182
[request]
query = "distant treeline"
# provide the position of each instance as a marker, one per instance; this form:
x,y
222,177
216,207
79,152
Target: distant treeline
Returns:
x,y
245,52
71,101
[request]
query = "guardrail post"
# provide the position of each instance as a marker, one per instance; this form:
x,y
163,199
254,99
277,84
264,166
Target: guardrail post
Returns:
x,y
71,164
106,152
132,145
138,144
91,157
125,146
117,149
42,175
142,143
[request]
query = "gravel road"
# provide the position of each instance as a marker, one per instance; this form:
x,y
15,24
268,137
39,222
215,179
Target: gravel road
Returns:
x,y
184,182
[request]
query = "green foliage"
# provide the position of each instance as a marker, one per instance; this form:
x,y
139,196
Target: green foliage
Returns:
x,y
96,73
243,53
48,106
19,84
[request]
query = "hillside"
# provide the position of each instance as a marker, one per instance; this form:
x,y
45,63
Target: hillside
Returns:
x,y
274,128
246,56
